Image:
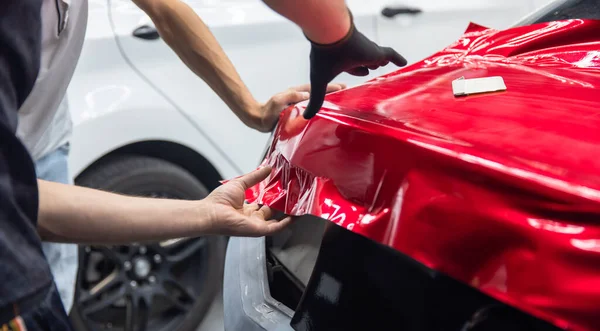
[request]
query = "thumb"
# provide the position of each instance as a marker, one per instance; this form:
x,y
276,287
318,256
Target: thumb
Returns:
x,y
250,179
318,90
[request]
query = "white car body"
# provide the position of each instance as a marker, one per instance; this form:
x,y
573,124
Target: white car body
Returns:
x,y
129,93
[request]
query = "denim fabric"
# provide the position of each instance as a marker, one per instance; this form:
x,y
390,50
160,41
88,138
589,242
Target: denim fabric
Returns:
x,y
61,257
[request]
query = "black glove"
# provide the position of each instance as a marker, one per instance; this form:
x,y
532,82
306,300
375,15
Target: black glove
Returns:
x,y
354,54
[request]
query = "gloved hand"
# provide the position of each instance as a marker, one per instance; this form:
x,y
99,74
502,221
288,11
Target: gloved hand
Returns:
x,y
354,54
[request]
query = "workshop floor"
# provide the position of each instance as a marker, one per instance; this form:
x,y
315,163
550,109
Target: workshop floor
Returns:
x,y
214,319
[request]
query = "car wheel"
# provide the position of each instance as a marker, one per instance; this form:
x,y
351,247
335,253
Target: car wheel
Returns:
x,y
153,286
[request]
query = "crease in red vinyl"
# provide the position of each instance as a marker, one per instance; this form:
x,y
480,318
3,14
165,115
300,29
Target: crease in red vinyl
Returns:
x,y
500,191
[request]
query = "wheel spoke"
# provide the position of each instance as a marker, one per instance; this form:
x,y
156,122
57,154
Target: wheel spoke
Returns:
x,y
130,312
172,242
191,246
104,302
83,260
136,315
110,254
160,249
102,287
182,298
143,316
174,300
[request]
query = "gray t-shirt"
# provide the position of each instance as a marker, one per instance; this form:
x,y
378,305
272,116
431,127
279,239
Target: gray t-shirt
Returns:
x,y
44,119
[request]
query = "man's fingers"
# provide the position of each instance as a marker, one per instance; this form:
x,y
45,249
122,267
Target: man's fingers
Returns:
x,y
332,87
302,88
266,225
359,71
266,212
291,97
318,90
276,226
394,57
254,177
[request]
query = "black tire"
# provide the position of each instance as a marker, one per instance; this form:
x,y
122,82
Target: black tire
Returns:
x,y
138,175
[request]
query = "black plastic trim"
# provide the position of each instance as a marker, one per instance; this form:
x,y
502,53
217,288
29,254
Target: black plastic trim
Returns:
x,y
358,284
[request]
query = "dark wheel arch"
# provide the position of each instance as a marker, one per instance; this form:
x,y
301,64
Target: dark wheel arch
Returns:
x,y
183,156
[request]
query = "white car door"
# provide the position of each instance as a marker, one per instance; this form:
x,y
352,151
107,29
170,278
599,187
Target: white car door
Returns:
x,y
419,28
269,52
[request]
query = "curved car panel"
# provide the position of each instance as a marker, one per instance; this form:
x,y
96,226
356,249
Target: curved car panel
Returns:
x,y
500,191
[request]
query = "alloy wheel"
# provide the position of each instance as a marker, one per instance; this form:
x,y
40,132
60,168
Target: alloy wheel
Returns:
x,y
140,287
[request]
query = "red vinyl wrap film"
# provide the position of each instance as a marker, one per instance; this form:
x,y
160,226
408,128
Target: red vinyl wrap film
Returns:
x,y
500,190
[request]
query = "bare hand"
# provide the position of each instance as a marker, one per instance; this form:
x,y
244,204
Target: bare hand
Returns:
x,y
268,113
233,217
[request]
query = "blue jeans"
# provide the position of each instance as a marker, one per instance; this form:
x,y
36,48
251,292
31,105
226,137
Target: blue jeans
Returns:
x,y
62,258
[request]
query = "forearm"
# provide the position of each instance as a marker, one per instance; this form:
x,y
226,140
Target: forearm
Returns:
x,y
182,29
81,215
323,21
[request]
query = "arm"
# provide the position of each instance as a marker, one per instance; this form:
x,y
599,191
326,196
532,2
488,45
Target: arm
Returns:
x,y
76,214
323,22
196,46
190,38
81,215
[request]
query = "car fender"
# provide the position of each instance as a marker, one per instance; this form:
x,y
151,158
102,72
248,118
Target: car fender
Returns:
x,y
96,137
